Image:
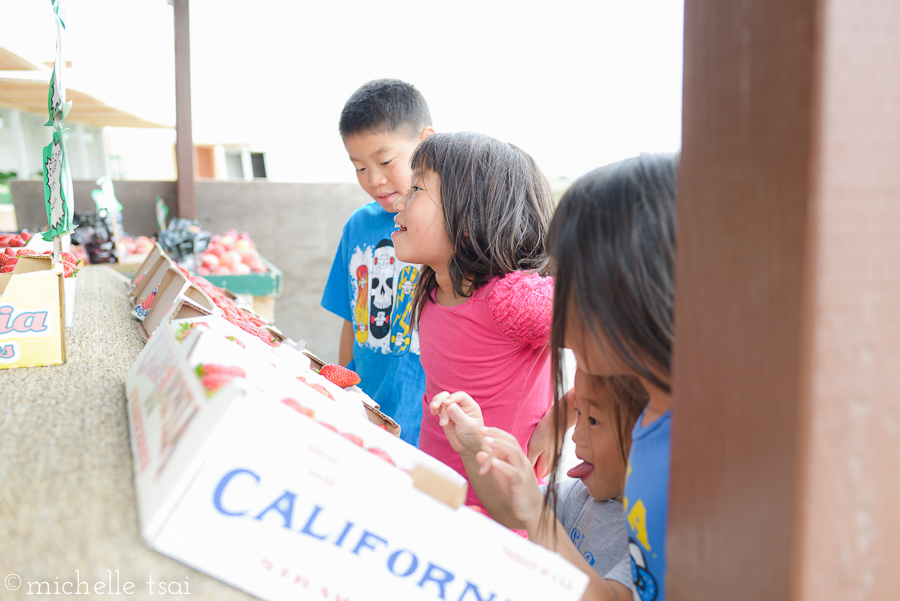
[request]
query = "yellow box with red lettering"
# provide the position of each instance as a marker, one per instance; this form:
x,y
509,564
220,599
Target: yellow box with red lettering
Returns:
x,y
32,314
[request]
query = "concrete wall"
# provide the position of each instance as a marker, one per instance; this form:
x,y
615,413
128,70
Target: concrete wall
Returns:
x,y
296,226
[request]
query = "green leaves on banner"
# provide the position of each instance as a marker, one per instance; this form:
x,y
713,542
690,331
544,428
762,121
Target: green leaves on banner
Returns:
x,y
56,97
58,195
162,211
57,187
105,197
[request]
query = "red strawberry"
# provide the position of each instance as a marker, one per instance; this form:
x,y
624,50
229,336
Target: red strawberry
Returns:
x,y
7,268
298,407
213,368
317,387
381,454
214,382
352,438
148,302
26,251
15,241
340,375
68,258
321,389
10,251
26,236
236,341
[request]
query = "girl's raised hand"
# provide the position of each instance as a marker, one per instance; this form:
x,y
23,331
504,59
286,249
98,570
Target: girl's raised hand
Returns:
x,y
514,475
460,417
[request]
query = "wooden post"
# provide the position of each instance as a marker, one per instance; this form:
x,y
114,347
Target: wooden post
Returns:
x,y
786,433
184,144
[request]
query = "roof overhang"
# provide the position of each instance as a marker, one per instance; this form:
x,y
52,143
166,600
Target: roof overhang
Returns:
x,y
26,90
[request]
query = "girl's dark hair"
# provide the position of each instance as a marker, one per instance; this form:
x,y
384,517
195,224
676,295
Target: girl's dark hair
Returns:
x,y
612,241
497,209
629,399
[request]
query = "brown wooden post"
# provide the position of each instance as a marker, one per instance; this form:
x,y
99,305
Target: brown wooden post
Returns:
x,y
184,145
786,435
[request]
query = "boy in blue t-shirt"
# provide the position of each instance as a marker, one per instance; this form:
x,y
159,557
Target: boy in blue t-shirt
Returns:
x,y
381,125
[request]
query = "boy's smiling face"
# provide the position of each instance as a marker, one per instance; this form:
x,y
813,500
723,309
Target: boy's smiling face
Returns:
x,y
381,160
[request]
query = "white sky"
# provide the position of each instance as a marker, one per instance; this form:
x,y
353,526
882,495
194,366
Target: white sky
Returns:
x,y
577,84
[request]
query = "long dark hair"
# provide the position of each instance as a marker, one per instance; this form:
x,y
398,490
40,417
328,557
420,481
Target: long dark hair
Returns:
x,y
629,399
612,241
497,208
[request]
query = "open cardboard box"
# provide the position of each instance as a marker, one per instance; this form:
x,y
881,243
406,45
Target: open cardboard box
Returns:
x,y
176,296
274,488
149,275
32,314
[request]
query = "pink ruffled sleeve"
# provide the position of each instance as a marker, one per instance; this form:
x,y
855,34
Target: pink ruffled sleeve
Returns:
x,y
521,306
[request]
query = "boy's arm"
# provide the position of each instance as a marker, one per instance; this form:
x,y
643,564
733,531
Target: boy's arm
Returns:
x,y
345,350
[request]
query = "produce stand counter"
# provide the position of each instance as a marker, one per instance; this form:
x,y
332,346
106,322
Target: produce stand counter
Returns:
x,y
67,504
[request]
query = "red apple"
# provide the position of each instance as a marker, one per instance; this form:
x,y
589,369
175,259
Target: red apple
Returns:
x,y
248,255
230,259
227,242
215,249
209,260
221,270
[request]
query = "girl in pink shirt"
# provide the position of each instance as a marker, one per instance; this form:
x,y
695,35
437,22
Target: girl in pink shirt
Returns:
x,y
476,218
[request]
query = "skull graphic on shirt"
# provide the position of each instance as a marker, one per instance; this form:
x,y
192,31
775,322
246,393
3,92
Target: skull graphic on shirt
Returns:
x,y
382,289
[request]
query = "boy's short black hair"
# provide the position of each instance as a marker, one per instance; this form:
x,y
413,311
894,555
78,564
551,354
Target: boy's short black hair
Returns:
x,y
385,105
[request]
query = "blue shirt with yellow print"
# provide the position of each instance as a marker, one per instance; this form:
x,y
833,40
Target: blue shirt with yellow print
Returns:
x,y
646,504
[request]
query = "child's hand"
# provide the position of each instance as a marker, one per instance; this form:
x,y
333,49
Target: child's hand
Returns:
x,y
540,446
460,416
514,474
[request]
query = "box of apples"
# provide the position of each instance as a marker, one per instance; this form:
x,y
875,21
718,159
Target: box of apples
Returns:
x,y
231,261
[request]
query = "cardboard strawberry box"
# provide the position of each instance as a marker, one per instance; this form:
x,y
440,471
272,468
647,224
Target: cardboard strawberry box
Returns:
x,y
266,483
32,314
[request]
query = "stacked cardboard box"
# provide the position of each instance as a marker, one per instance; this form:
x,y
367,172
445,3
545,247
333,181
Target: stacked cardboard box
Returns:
x,y
289,487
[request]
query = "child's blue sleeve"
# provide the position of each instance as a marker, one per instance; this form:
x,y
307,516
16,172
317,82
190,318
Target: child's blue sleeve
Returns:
x,y
336,297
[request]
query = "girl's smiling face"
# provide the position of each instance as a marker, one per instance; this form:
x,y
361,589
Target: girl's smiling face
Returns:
x,y
596,443
422,234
